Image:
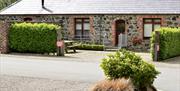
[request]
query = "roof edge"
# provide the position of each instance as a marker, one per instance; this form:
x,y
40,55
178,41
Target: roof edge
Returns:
x,y
93,14
9,6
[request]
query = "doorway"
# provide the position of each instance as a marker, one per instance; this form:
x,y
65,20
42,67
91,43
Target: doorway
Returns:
x,y
120,29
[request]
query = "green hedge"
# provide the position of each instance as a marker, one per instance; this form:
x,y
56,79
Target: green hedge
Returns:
x,y
126,64
169,43
90,47
5,3
33,37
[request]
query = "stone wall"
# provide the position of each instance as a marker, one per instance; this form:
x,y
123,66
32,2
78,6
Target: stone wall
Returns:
x,y
4,26
101,25
134,27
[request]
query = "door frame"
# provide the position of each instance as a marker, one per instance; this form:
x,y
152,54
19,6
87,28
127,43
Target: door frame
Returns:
x,y
114,32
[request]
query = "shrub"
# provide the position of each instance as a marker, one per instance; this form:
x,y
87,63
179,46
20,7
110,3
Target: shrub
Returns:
x,y
5,3
128,65
34,38
114,85
82,46
169,43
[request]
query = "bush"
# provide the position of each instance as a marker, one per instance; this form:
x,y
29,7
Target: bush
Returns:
x,y
169,43
90,47
128,65
34,38
5,3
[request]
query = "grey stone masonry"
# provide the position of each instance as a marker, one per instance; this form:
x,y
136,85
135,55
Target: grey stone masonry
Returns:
x,y
101,26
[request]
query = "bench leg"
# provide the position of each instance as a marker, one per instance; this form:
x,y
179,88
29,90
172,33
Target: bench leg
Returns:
x,y
74,50
66,50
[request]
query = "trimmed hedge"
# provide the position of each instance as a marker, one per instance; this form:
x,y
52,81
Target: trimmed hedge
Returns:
x,y
169,43
33,37
5,3
90,47
126,64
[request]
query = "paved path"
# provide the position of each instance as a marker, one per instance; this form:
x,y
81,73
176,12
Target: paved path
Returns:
x,y
76,71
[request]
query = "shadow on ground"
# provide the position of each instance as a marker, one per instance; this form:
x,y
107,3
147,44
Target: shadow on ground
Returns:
x,y
174,60
38,55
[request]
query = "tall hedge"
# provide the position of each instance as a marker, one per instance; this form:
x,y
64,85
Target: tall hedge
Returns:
x,y
33,37
169,43
5,3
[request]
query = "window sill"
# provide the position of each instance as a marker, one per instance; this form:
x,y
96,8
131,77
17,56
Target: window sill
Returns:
x,y
147,38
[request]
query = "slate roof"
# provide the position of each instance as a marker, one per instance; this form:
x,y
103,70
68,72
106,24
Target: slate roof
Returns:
x,y
94,7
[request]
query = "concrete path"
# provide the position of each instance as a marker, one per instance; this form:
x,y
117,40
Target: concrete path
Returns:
x,y
79,68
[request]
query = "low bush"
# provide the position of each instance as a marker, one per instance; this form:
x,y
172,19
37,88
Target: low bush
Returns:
x,y
169,43
125,64
82,46
33,37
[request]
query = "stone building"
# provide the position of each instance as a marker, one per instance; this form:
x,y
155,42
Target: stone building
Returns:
x,y
96,21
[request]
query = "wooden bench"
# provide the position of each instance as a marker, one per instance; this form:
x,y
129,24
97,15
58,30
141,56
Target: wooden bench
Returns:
x,y
69,45
73,47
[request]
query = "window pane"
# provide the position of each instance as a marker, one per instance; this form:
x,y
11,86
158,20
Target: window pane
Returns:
x,y
78,33
157,26
78,26
86,34
86,26
86,20
147,30
157,20
79,20
147,20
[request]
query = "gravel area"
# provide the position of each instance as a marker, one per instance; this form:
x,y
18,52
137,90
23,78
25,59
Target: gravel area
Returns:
x,y
19,83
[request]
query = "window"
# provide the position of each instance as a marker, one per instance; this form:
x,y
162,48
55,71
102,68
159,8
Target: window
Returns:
x,y
150,25
27,19
82,28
